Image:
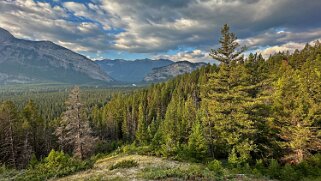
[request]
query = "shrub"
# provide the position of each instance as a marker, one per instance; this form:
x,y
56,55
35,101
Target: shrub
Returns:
x,y
288,173
33,161
274,169
310,167
7,173
216,166
57,164
133,149
107,146
259,168
124,164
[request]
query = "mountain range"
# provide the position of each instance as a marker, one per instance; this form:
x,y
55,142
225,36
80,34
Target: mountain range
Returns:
x,y
172,70
25,61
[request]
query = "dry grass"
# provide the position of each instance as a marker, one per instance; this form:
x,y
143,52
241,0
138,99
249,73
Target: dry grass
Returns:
x,y
101,169
148,168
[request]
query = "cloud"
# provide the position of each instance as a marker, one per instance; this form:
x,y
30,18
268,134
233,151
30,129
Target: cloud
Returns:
x,y
191,56
274,37
166,25
77,8
287,47
42,21
158,27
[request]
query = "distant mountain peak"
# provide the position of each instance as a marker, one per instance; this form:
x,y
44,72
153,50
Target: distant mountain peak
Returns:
x,y
172,70
5,35
132,71
24,61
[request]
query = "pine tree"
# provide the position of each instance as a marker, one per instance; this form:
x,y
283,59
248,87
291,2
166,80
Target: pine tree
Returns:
x,y
197,144
74,129
170,127
295,115
188,118
9,133
142,133
228,52
35,134
27,149
226,101
98,122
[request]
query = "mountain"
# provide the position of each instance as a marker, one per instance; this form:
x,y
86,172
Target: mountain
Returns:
x,y
172,70
24,61
131,71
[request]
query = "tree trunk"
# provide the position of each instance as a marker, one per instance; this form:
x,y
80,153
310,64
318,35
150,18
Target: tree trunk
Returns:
x,y
12,148
299,155
79,135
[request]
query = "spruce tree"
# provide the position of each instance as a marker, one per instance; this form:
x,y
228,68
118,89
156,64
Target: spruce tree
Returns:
x,y
142,133
295,115
228,52
197,144
170,127
74,129
226,101
36,127
9,133
188,118
99,124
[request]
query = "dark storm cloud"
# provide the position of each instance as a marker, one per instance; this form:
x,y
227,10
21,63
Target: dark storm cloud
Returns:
x,y
197,23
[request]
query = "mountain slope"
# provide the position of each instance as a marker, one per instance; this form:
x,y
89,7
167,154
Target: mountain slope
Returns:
x,y
172,70
130,71
24,61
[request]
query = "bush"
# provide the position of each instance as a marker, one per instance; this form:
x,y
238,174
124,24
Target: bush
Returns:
x,y
6,173
274,169
57,164
310,167
259,168
306,170
133,149
288,173
124,164
216,166
107,146
3,169
33,161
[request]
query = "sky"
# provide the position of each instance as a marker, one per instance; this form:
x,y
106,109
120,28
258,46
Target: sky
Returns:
x,y
172,29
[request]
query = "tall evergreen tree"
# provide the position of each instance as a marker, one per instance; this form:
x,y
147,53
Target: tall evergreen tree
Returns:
x,y
142,133
99,124
227,102
36,125
228,52
197,144
295,116
170,127
9,133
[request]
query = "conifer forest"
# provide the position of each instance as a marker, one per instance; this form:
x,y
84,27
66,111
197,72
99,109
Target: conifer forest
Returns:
x,y
247,114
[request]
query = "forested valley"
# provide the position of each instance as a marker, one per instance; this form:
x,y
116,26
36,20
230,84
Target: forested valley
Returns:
x,y
247,115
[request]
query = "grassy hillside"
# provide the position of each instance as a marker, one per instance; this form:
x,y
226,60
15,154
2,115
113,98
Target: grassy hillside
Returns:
x,y
138,167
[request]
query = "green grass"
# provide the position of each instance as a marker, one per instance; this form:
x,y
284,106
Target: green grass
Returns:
x,y
185,173
124,164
